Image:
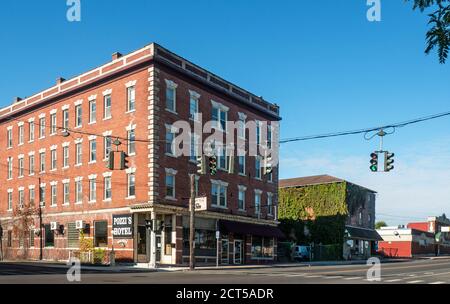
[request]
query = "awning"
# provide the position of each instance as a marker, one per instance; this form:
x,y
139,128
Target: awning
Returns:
x,y
362,233
253,229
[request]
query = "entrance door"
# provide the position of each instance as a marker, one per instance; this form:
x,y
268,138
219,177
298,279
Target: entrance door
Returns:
x,y
142,246
238,252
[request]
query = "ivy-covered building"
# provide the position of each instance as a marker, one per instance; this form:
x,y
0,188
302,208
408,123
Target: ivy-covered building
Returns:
x,y
331,213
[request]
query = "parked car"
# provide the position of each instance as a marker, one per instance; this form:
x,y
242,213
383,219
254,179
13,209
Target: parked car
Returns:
x,y
302,253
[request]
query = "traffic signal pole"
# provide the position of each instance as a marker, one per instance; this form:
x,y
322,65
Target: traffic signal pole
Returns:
x,y
192,225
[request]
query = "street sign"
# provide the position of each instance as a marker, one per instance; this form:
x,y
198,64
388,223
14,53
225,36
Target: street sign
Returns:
x,y
201,204
122,226
445,229
217,234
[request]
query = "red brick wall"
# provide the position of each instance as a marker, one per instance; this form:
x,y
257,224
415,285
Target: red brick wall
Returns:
x,y
395,249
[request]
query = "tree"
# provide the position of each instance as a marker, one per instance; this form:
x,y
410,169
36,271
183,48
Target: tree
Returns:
x,y
438,36
380,224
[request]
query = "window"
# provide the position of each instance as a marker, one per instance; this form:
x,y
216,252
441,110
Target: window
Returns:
x,y
92,111
170,137
10,199
193,105
9,241
92,190
9,138
194,147
241,198
93,151
21,198
241,160
32,195
65,114
219,195
131,97
258,167
171,95
107,145
66,193
222,159
21,167
66,157
262,247
107,187
219,115
54,195
31,234
78,116
131,142
42,127
31,131
42,162
269,137
49,236
107,107
78,192
131,185
258,132
270,203
21,135
53,127
42,195
360,218
73,236
10,167
241,125
258,202
53,159
79,154
101,234
170,185
31,164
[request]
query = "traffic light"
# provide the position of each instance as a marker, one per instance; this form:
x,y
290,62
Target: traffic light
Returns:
x,y
213,165
388,161
123,161
374,162
111,160
201,165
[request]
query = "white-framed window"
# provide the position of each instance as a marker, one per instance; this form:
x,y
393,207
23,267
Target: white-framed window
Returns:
x,y
78,191
171,96
21,135
241,125
78,116
10,200
131,177
107,194
42,188
269,136
270,203
241,161
79,154
92,190
258,167
131,99
131,136
258,195
9,138
42,162
194,105
31,131
21,198
170,140
65,156
32,196
10,167
258,132
21,167
107,147
222,158
54,195
107,106
92,150
219,194
42,127
53,161
31,164
170,183
92,111
53,126
241,197
219,115
65,115
194,147
66,192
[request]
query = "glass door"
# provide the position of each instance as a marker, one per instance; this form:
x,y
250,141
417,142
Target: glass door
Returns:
x,y
225,257
238,252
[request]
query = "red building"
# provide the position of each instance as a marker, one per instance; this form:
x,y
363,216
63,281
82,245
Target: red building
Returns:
x,y
416,239
55,181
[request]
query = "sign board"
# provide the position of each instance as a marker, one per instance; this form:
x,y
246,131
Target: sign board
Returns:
x,y
217,234
445,229
201,204
122,227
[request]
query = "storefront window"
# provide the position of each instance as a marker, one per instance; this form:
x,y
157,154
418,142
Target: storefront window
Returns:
x,y
49,237
101,234
205,242
262,247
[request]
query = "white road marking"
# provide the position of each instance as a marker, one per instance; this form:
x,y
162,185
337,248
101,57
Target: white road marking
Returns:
x,y
394,280
296,275
437,283
354,278
313,276
333,277
415,282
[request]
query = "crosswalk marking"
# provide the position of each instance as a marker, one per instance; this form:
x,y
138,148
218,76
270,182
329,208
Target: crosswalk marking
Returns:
x,y
415,282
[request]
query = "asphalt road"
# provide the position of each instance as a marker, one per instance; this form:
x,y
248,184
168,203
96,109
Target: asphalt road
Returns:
x,y
413,272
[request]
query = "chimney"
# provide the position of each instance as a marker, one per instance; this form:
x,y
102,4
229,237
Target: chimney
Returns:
x,y
17,99
60,80
116,56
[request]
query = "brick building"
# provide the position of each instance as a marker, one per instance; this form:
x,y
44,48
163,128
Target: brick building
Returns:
x,y
54,152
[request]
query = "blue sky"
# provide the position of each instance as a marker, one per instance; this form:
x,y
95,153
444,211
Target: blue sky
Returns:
x,y
326,66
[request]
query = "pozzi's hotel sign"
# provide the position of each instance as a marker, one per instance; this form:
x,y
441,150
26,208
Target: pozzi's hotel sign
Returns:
x,y
122,226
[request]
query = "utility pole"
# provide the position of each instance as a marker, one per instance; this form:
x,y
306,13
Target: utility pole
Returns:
x,y
40,219
192,225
